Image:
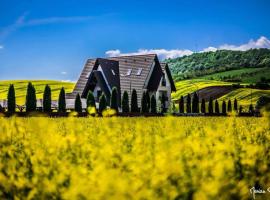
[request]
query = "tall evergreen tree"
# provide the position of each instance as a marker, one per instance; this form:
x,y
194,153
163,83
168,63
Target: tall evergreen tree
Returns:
x,y
210,106
31,99
11,99
229,106
224,111
144,106
181,105
47,99
195,103
188,104
90,100
78,104
203,110
102,103
114,99
62,101
163,103
125,102
148,100
134,101
235,105
153,104
216,107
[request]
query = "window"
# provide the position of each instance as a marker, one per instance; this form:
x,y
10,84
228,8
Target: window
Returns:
x,y
163,81
139,72
129,72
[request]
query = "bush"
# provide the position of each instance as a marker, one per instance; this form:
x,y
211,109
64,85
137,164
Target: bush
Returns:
x,y
263,101
134,101
188,104
224,111
62,101
114,99
153,104
229,106
125,103
90,100
78,104
11,99
210,106
47,99
216,107
31,99
195,103
203,110
144,104
102,103
181,105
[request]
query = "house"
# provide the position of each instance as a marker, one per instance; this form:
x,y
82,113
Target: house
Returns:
x,y
139,72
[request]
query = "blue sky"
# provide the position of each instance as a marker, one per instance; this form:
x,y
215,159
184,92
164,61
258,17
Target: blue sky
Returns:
x,y
52,39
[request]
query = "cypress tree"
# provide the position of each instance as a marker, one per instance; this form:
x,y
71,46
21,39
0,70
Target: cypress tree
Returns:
x,y
102,103
31,99
90,100
78,104
125,103
235,105
153,104
114,99
163,103
47,99
181,105
134,101
11,99
216,107
188,104
144,106
229,106
195,103
62,101
203,110
147,95
224,111
210,106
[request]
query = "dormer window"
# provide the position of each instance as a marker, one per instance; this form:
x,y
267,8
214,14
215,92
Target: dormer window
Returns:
x,y
139,72
129,72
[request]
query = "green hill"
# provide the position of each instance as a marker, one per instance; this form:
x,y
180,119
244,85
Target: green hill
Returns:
x,y
21,86
255,62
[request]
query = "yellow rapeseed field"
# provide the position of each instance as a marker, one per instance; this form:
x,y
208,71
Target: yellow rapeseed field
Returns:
x,y
134,158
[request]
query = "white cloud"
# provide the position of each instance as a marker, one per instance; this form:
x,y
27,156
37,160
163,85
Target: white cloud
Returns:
x,y
162,53
261,42
64,73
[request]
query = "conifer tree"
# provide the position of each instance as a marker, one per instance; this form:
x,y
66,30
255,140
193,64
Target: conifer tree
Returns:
x,y
188,104
203,110
235,105
114,99
224,111
148,100
125,102
78,104
210,106
153,104
11,99
47,99
181,105
216,107
229,106
102,103
144,106
90,100
195,103
163,103
31,99
62,101
134,101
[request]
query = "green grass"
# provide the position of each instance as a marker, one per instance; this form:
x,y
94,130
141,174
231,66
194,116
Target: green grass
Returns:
x,y
21,87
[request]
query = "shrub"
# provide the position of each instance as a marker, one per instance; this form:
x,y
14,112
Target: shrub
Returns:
x,y
216,107
102,103
229,106
203,110
195,103
153,104
11,99
144,106
47,99
188,104
181,105
125,103
210,106
78,104
134,101
62,101
114,99
90,100
224,111
31,99
235,105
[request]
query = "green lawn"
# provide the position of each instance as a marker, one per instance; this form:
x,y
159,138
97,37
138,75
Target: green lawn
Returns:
x,y
21,86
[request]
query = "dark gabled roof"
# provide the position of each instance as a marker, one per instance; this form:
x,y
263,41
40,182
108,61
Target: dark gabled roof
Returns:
x,y
102,83
155,77
166,69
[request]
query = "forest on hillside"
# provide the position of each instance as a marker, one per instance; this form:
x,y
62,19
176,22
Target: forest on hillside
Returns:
x,y
201,64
